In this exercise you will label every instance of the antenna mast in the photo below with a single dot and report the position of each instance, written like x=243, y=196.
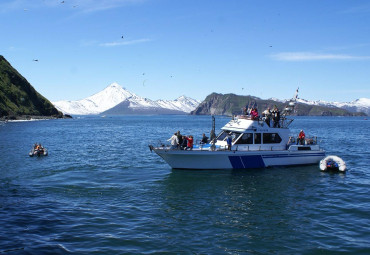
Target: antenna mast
x=289, y=109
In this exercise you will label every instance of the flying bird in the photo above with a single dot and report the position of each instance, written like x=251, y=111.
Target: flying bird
x=36, y=60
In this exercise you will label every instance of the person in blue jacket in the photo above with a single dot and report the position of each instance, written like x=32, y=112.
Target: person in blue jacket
x=229, y=140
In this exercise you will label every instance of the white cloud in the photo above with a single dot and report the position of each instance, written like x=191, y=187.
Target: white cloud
x=78, y=5
x=310, y=56
x=101, y=5
x=123, y=42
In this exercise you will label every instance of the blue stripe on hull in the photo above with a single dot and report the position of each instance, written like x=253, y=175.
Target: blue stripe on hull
x=256, y=161
x=253, y=161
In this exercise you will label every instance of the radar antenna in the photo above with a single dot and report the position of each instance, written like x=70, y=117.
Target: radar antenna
x=289, y=109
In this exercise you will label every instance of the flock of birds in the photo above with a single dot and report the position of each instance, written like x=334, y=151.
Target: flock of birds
x=122, y=37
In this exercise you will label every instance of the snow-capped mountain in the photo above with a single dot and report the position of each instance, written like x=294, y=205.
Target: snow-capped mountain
x=183, y=103
x=358, y=105
x=114, y=95
x=97, y=103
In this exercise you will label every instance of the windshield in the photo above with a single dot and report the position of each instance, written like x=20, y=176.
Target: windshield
x=222, y=136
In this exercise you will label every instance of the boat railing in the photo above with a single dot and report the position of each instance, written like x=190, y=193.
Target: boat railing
x=311, y=140
x=284, y=122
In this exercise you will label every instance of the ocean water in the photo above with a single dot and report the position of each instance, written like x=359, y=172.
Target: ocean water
x=101, y=191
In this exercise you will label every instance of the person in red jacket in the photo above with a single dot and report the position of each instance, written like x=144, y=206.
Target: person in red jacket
x=190, y=142
x=254, y=114
x=301, y=138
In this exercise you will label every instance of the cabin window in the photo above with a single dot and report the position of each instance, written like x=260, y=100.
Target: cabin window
x=245, y=139
x=271, y=138
x=235, y=136
x=257, y=138
x=222, y=136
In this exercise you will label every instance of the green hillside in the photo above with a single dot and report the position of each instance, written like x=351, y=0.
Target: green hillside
x=19, y=98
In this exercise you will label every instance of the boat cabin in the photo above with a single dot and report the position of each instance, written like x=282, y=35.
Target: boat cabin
x=250, y=135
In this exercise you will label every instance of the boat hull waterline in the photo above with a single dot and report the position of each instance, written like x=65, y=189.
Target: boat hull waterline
x=181, y=159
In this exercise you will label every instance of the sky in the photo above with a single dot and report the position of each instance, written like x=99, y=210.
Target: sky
x=163, y=49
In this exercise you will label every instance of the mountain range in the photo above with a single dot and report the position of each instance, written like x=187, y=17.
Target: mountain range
x=115, y=99
x=358, y=105
x=231, y=104
x=18, y=99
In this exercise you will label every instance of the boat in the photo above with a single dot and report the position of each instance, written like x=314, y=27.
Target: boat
x=254, y=144
x=38, y=150
x=333, y=163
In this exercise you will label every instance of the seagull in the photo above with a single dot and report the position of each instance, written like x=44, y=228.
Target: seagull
x=36, y=60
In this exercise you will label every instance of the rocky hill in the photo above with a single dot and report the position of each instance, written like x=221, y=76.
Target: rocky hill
x=231, y=104
x=18, y=99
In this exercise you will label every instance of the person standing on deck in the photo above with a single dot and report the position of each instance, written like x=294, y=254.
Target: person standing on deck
x=301, y=138
x=204, y=139
x=179, y=137
x=190, y=142
x=267, y=114
x=276, y=117
x=174, y=141
x=229, y=140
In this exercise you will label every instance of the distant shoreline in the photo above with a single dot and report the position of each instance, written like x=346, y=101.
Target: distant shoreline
x=33, y=117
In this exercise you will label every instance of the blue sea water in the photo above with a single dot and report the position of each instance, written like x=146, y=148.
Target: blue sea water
x=101, y=191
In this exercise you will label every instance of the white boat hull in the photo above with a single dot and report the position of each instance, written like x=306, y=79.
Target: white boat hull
x=202, y=159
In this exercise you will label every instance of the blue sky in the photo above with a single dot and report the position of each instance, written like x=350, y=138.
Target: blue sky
x=176, y=47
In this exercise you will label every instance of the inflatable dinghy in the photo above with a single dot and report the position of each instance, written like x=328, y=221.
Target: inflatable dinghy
x=38, y=150
x=334, y=163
